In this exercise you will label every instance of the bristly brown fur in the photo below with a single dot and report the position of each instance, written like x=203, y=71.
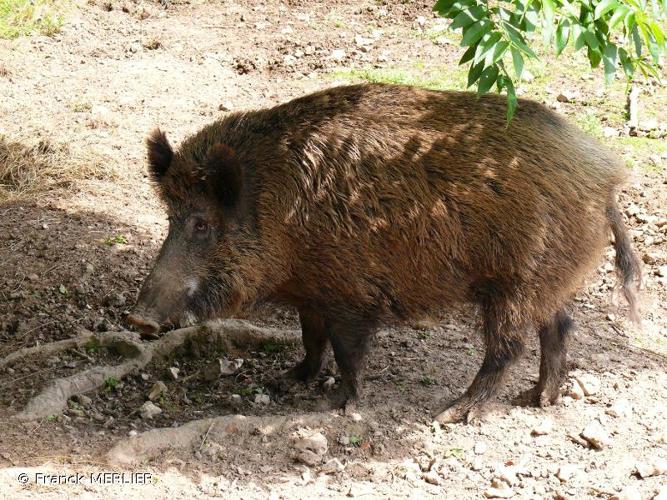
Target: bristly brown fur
x=371, y=202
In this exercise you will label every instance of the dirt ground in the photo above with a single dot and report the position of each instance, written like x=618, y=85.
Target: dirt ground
x=73, y=258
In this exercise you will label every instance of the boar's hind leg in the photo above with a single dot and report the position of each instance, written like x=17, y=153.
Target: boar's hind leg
x=553, y=344
x=504, y=344
x=315, y=341
x=350, y=340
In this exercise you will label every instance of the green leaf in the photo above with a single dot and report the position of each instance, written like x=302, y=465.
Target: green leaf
x=486, y=45
x=609, y=58
x=467, y=17
x=474, y=72
x=443, y=6
x=605, y=6
x=474, y=32
x=591, y=39
x=626, y=62
x=579, y=37
x=618, y=16
x=548, y=7
x=594, y=56
x=517, y=39
x=562, y=35
x=487, y=79
x=468, y=54
x=62, y=289
x=517, y=60
x=629, y=21
x=498, y=52
x=637, y=40
x=658, y=33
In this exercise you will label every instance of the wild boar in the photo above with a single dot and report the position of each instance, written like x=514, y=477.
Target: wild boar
x=369, y=204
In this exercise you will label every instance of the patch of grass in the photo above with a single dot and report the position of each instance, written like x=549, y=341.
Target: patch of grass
x=51, y=418
x=454, y=452
x=436, y=78
x=590, y=123
x=273, y=347
x=37, y=165
x=355, y=440
x=23, y=17
x=81, y=107
x=119, y=239
x=427, y=381
x=111, y=383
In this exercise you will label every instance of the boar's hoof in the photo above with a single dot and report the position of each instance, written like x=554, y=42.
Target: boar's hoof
x=461, y=410
x=546, y=398
x=148, y=329
x=299, y=373
x=341, y=398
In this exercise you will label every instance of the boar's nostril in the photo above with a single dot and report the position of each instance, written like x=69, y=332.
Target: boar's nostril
x=147, y=327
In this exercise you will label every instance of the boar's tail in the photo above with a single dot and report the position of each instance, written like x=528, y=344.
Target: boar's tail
x=628, y=266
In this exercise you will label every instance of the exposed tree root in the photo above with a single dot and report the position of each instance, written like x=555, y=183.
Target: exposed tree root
x=53, y=398
x=230, y=429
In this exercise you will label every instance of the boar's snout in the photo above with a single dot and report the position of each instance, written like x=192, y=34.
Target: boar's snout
x=144, y=324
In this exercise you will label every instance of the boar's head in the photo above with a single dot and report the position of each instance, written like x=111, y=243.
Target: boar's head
x=208, y=265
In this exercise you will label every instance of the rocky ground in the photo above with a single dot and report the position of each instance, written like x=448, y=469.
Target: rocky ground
x=73, y=258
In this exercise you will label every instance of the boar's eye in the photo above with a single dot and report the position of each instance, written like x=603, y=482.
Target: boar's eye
x=201, y=226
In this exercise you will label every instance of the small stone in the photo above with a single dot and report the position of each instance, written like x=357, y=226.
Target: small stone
x=226, y=106
x=173, y=372
x=610, y=132
x=576, y=391
x=590, y=384
x=629, y=493
x=328, y=384
x=308, y=457
x=543, y=428
x=236, y=398
x=262, y=399
x=337, y=54
x=620, y=408
x=133, y=433
x=213, y=450
x=344, y=440
x=527, y=76
x=33, y=277
x=499, y=489
x=332, y=466
x=222, y=367
x=611, y=317
x=90, y=268
x=632, y=210
x=657, y=468
x=289, y=60
x=135, y=47
x=566, y=472
x=480, y=448
x=306, y=439
x=145, y=376
x=432, y=477
x=662, y=271
x=596, y=435
x=83, y=400
x=158, y=389
x=362, y=41
x=149, y=410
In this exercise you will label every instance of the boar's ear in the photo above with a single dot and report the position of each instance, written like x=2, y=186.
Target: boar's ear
x=160, y=154
x=224, y=174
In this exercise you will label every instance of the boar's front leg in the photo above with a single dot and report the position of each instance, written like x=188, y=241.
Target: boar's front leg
x=350, y=337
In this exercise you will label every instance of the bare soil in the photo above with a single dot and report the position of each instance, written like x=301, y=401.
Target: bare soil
x=73, y=258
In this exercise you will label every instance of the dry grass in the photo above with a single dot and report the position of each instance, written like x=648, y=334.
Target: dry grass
x=39, y=165
x=23, y=17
